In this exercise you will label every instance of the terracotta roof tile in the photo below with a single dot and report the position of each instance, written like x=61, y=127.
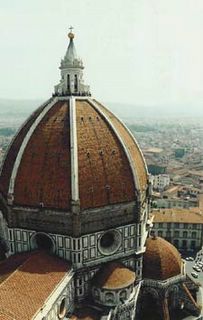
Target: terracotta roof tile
x=25, y=290
x=44, y=175
x=114, y=276
x=13, y=151
x=132, y=147
x=7, y=316
x=161, y=259
x=193, y=215
x=105, y=176
x=9, y=265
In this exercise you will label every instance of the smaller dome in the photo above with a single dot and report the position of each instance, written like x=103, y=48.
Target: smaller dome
x=161, y=260
x=114, y=276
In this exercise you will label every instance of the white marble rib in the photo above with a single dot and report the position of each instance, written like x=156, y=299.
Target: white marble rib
x=96, y=106
x=74, y=151
x=24, y=144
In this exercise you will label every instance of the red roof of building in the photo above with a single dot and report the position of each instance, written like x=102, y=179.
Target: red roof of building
x=13, y=151
x=110, y=164
x=44, y=174
x=114, y=275
x=6, y=316
x=176, y=215
x=161, y=260
x=27, y=280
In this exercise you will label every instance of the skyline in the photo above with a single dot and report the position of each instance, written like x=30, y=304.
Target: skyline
x=143, y=53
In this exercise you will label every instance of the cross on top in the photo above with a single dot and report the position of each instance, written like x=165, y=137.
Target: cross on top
x=71, y=29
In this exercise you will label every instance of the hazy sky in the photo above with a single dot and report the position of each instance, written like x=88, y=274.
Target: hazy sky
x=147, y=52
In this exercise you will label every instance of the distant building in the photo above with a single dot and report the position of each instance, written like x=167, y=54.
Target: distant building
x=176, y=203
x=160, y=182
x=181, y=227
x=156, y=169
x=179, y=152
x=188, y=191
x=177, y=196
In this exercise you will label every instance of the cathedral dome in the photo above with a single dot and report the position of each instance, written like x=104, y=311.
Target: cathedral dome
x=161, y=260
x=114, y=276
x=71, y=157
x=73, y=148
x=113, y=284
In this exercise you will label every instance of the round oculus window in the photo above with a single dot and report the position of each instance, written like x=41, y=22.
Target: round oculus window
x=109, y=242
x=62, y=309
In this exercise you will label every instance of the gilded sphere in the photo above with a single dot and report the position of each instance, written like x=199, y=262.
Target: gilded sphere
x=71, y=35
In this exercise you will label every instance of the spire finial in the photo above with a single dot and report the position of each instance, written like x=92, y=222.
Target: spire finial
x=71, y=82
x=71, y=34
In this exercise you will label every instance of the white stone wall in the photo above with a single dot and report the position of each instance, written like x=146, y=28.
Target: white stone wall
x=112, y=297
x=3, y=227
x=161, y=181
x=84, y=250
x=83, y=277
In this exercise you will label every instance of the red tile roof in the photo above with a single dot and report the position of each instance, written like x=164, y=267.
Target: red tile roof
x=44, y=174
x=193, y=215
x=161, y=260
x=105, y=171
x=132, y=147
x=9, y=265
x=105, y=176
x=114, y=276
x=25, y=289
x=13, y=152
x=7, y=316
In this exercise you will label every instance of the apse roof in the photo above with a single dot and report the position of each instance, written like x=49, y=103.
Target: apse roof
x=161, y=260
x=114, y=275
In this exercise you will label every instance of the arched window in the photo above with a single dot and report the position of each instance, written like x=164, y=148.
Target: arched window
x=96, y=293
x=184, y=234
x=43, y=241
x=194, y=234
x=123, y=295
x=109, y=297
x=193, y=244
x=184, y=244
x=76, y=83
x=68, y=82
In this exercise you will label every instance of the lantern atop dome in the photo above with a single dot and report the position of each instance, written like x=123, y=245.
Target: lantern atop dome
x=71, y=67
x=71, y=34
